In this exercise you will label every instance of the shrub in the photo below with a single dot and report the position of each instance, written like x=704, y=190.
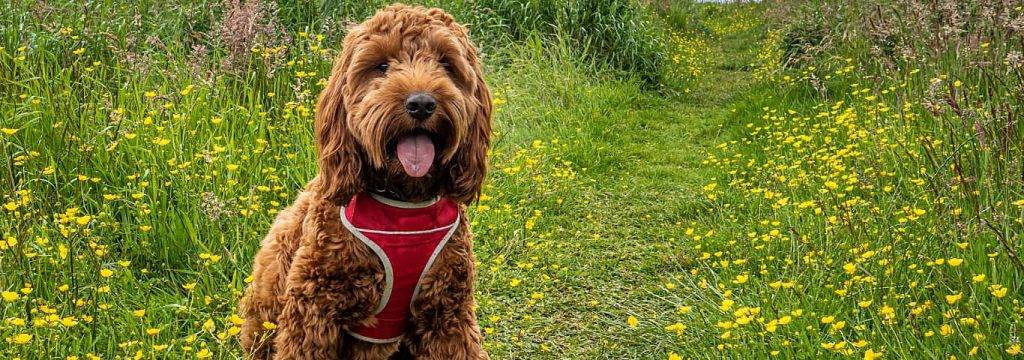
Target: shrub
x=614, y=32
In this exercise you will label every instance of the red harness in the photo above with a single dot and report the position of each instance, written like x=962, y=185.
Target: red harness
x=407, y=237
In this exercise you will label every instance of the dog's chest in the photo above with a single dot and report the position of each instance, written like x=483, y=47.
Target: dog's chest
x=406, y=237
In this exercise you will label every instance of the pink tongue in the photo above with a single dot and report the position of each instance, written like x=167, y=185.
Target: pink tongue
x=416, y=153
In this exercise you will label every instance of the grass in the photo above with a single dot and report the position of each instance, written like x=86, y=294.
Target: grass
x=733, y=213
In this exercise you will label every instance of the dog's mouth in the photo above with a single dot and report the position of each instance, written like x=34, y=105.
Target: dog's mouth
x=417, y=150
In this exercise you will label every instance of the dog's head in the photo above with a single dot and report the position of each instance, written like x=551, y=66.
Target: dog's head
x=406, y=110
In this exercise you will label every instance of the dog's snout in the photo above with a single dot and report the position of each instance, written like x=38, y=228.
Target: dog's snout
x=420, y=105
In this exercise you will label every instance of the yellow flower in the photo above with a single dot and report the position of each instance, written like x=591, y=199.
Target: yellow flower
x=954, y=262
x=952, y=299
x=872, y=355
x=632, y=321
x=79, y=51
x=139, y=313
x=106, y=273
x=10, y=296
x=674, y=356
x=204, y=353
x=209, y=325
x=678, y=328
x=888, y=311
x=740, y=279
x=1014, y=349
x=9, y=131
x=997, y=290
x=269, y=325
x=23, y=338
x=727, y=304
x=235, y=319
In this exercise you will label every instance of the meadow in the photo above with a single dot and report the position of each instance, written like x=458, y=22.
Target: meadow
x=669, y=180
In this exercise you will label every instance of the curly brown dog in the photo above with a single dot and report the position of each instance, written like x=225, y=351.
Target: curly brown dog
x=374, y=259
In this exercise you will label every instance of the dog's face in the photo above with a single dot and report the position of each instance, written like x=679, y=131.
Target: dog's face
x=406, y=110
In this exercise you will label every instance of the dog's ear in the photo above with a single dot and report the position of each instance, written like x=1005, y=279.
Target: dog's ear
x=338, y=151
x=470, y=165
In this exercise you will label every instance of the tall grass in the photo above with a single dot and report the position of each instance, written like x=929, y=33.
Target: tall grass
x=958, y=67
x=872, y=193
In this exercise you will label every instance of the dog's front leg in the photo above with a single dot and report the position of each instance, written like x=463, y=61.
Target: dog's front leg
x=327, y=290
x=443, y=318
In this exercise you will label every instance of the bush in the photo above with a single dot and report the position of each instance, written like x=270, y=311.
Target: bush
x=616, y=33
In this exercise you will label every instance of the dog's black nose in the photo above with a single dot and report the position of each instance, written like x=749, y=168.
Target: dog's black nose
x=420, y=105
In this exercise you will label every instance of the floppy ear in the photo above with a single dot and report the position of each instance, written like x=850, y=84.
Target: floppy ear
x=338, y=153
x=470, y=165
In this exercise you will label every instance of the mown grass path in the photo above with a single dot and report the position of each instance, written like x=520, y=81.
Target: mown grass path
x=648, y=207
x=620, y=235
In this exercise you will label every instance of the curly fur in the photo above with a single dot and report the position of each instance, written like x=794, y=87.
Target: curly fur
x=312, y=278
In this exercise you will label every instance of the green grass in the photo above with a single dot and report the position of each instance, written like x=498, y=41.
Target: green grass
x=618, y=222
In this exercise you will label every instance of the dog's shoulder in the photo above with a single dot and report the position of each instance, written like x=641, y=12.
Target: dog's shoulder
x=318, y=211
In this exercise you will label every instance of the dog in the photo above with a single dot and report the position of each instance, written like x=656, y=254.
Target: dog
x=374, y=258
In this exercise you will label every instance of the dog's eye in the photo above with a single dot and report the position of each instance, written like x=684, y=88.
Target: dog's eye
x=445, y=64
x=382, y=67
